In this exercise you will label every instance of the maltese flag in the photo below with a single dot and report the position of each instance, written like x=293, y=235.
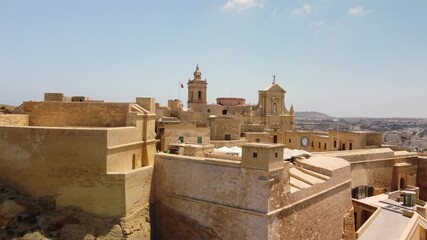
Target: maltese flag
x=181, y=85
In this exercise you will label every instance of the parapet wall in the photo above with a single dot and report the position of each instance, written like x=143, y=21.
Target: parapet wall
x=374, y=167
x=82, y=114
x=14, y=120
x=318, y=211
x=214, y=181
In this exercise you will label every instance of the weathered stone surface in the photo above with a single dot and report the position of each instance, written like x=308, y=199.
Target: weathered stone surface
x=28, y=220
x=9, y=209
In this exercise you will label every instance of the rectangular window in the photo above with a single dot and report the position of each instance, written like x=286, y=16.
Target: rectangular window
x=335, y=143
x=227, y=137
x=199, y=140
x=275, y=139
x=319, y=145
x=312, y=144
x=181, y=139
x=350, y=146
x=276, y=154
x=290, y=140
x=255, y=154
x=325, y=146
x=257, y=140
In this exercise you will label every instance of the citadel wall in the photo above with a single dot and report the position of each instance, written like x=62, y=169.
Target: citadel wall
x=14, y=119
x=376, y=167
x=225, y=199
x=71, y=165
x=88, y=114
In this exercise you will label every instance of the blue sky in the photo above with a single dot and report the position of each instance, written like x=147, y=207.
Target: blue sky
x=343, y=58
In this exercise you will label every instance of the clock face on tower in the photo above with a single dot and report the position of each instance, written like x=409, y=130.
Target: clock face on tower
x=304, y=141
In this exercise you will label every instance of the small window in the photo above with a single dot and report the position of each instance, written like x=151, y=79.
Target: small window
x=350, y=146
x=224, y=112
x=181, y=139
x=209, y=110
x=199, y=140
x=325, y=146
x=312, y=144
x=335, y=143
x=290, y=140
x=275, y=139
x=254, y=154
x=257, y=140
x=227, y=137
x=276, y=154
x=133, y=161
x=319, y=145
x=200, y=95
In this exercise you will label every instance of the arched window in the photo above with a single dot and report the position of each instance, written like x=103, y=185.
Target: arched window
x=200, y=95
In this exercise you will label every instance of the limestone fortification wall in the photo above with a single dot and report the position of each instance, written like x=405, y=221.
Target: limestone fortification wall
x=321, y=216
x=14, y=120
x=317, y=212
x=374, y=167
x=69, y=164
x=207, y=199
x=196, y=198
x=378, y=173
x=88, y=114
x=224, y=184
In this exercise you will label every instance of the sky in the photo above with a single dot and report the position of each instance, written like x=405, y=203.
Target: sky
x=353, y=58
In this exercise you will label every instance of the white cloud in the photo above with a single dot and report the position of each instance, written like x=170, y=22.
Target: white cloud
x=304, y=10
x=319, y=23
x=241, y=5
x=274, y=12
x=359, y=11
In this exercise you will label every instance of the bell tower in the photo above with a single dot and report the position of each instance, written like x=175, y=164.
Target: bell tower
x=197, y=91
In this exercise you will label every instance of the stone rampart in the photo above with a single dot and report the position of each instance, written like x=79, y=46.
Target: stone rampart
x=70, y=164
x=87, y=114
x=14, y=120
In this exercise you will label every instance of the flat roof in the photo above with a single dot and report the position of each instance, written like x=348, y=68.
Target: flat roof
x=387, y=225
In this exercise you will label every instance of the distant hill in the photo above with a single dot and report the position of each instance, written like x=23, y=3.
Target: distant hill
x=311, y=115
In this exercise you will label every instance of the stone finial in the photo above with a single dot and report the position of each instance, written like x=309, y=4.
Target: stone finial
x=292, y=108
x=274, y=79
x=197, y=73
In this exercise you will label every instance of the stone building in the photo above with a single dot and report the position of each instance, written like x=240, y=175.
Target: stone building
x=332, y=140
x=231, y=118
x=269, y=121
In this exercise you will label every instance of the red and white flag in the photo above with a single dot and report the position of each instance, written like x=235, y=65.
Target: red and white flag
x=181, y=85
